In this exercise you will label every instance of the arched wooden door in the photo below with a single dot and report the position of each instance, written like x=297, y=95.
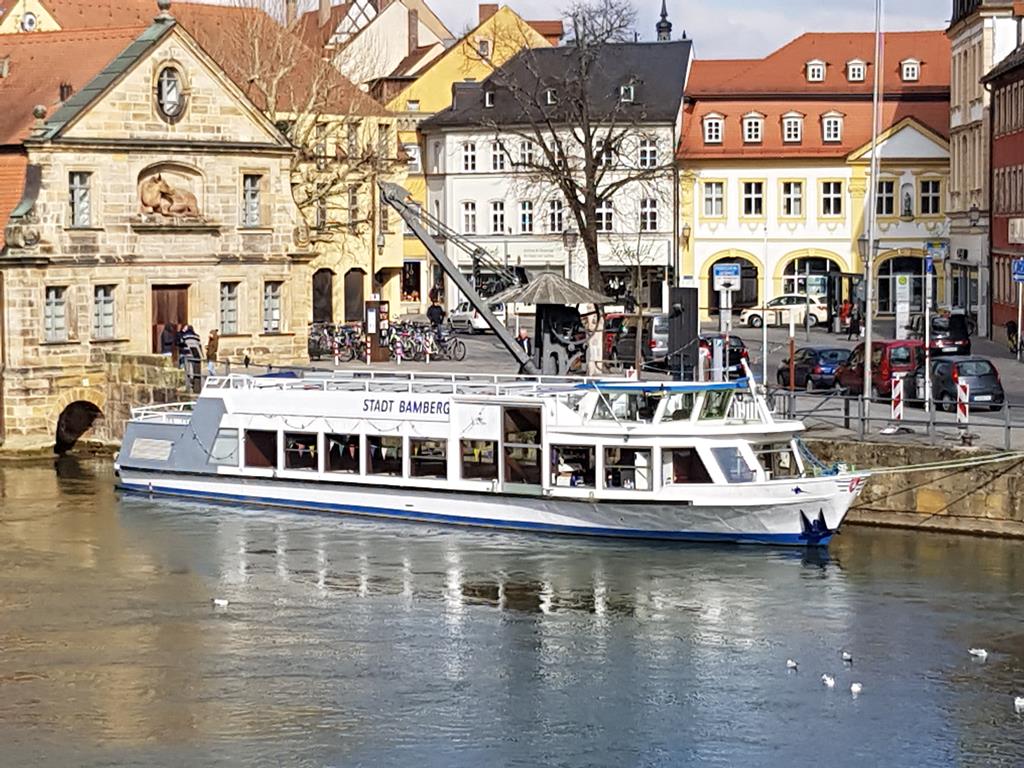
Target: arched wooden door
x=323, y=296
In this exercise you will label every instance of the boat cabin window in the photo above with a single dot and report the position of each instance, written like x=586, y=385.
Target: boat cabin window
x=626, y=406
x=384, y=455
x=683, y=465
x=627, y=468
x=261, y=448
x=679, y=406
x=734, y=466
x=342, y=453
x=479, y=459
x=522, y=445
x=573, y=466
x=300, y=451
x=778, y=460
x=428, y=457
x=716, y=404
x=225, y=448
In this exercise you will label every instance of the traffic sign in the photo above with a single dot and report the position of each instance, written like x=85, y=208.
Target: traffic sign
x=1018, y=270
x=726, y=277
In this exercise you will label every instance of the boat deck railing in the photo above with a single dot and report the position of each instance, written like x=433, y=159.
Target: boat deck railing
x=164, y=413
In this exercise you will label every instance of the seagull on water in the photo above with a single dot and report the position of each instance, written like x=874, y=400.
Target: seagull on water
x=847, y=656
x=979, y=653
x=1018, y=705
x=219, y=602
x=790, y=664
x=856, y=688
x=828, y=681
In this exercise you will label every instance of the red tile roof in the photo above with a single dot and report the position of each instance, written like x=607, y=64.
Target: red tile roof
x=312, y=33
x=12, y=181
x=552, y=31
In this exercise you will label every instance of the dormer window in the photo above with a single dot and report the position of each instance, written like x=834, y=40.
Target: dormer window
x=792, y=128
x=713, y=127
x=832, y=127
x=488, y=99
x=910, y=70
x=753, y=128
x=816, y=71
x=855, y=71
x=626, y=93
x=550, y=97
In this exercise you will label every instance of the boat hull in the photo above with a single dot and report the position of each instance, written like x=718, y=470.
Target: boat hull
x=809, y=521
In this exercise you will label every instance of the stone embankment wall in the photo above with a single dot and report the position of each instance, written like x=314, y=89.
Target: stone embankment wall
x=984, y=499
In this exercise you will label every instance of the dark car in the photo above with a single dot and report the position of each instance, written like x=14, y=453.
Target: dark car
x=985, y=390
x=949, y=334
x=612, y=325
x=813, y=367
x=655, y=340
x=888, y=358
x=737, y=351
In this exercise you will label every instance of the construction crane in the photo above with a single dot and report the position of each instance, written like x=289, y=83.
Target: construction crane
x=422, y=224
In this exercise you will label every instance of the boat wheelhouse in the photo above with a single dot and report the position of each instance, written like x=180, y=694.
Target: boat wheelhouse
x=696, y=461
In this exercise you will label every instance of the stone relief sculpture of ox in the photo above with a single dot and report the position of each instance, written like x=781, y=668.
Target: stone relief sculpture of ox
x=157, y=196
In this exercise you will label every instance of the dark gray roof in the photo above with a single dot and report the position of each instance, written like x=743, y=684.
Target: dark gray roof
x=1014, y=61
x=656, y=70
x=70, y=109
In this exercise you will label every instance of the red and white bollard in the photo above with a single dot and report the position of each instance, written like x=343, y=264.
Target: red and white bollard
x=963, y=403
x=897, y=398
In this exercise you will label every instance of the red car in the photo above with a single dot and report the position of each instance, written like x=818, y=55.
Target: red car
x=612, y=326
x=887, y=358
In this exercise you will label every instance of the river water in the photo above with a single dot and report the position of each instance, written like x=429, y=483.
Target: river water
x=356, y=643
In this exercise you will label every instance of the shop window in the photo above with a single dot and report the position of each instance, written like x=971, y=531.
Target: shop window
x=261, y=448
x=683, y=465
x=411, y=280
x=716, y=404
x=300, y=451
x=342, y=453
x=522, y=445
x=428, y=458
x=573, y=466
x=733, y=465
x=479, y=459
x=627, y=468
x=384, y=455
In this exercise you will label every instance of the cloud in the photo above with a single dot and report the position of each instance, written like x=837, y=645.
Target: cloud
x=734, y=28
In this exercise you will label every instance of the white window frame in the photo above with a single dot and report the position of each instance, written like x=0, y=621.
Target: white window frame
x=714, y=194
x=910, y=70
x=273, y=306
x=80, y=198
x=469, y=217
x=935, y=197
x=526, y=218
x=604, y=216
x=832, y=129
x=556, y=216
x=627, y=94
x=488, y=99
x=714, y=129
x=856, y=71
x=497, y=217
x=816, y=71
x=468, y=156
x=228, y=310
x=103, y=311
x=55, y=313
x=483, y=47
x=749, y=195
x=252, y=200
x=412, y=151
x=883, y=197
x=550, y=97
x=832, y=199
x=792, y=129
x=753, y=129
x=497, y=156
x=792, y=199
x=649, y=215
x=527, y=150
x=648, y=153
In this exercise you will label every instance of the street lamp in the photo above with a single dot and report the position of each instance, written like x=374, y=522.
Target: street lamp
x=686, y=232
x=569, y=239
x=974, y=215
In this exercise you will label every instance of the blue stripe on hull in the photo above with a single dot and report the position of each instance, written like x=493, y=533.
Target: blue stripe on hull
x=779, y=539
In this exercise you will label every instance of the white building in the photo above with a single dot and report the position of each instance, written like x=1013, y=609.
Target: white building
x=982, y=33
x=484, y=177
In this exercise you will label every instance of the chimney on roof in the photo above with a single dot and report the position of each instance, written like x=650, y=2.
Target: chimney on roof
x=487, y=10
x=324, y=13
x=414, y=29
x=66, y=91
x=5, y=66
x=291, y=12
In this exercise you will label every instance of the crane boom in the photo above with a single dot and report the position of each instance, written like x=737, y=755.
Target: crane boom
x=398, y=198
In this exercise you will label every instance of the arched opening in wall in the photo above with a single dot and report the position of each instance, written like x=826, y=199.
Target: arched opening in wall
x=746, y=296
x=323, y=296
x=889, y=270
x=815, y=276
x=73, y=422
x=355, y=280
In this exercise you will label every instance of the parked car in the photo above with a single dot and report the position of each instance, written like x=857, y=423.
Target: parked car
x=813, y=367
x=949, y=334
x=467, y=320
x=985, y=390
x=612, y=325
x=737, y=351
x=888, y=358
x=654, y=340
x=790, y=305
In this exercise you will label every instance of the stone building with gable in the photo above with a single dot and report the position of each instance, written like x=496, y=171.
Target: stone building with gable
x=151, y=190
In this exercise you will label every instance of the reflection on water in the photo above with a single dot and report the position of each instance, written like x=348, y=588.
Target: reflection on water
x=349, y=642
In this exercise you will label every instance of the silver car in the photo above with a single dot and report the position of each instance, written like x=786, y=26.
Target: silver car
x=655, y=340
x=465, y=319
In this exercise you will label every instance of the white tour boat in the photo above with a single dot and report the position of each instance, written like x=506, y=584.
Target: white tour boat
x=612, y=457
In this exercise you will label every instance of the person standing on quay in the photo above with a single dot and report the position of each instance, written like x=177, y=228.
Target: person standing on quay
x=212, y=345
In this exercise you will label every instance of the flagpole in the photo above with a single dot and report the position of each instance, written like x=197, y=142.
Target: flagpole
x=869, y=257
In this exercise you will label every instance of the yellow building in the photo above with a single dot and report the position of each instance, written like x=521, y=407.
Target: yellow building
x=499, y=35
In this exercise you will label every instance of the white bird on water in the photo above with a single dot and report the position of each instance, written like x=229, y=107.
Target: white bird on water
x=791, y=664
x=219, y=602
x=1018, y=705
x=828, y=681
x=847, y=657
x=856, y=688
x=979, y=653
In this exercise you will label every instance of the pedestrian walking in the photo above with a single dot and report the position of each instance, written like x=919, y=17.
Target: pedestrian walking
x=854, y=329
x=190, y=353
x=523, y=340
x=212, y=347
x=844, y=313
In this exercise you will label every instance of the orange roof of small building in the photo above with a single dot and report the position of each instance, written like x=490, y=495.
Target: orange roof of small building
x=12, y=180
x=552, y=31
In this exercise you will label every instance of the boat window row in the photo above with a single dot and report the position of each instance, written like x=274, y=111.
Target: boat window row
x=678, y=406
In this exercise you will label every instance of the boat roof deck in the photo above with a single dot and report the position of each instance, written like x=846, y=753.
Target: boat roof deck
x=507, y=385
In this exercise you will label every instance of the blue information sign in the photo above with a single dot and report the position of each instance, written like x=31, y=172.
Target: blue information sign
x=726, y=277
x=1018, y=270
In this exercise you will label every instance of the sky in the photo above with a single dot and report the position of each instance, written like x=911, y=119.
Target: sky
x=735, y=28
